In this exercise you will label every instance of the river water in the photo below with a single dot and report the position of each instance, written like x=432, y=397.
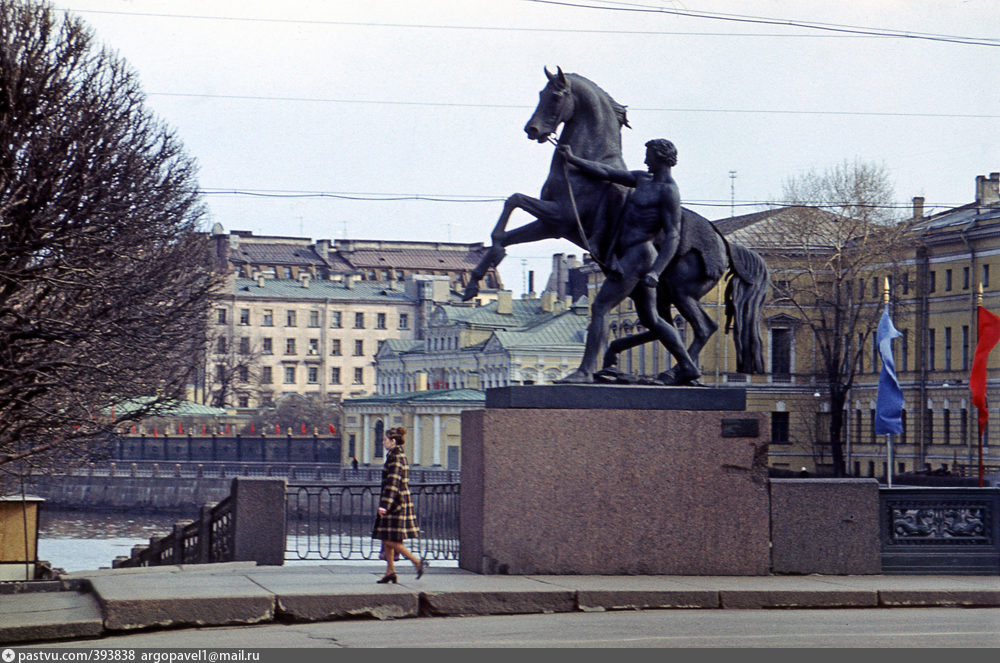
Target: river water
x=86, y=540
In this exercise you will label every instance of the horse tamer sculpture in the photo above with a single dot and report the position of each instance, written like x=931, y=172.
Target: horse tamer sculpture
x=586, y=200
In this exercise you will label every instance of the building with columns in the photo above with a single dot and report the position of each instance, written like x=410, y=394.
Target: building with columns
x=433, y=419
x=426, y=383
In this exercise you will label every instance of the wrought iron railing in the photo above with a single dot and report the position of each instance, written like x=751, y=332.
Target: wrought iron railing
x=207, y=539
x=940, y=530
x=335, y=522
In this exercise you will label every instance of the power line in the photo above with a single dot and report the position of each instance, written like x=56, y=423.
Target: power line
x=651, y=109
x=838, y=31
x=760, y=20
x=486, y=28
x=467, y=198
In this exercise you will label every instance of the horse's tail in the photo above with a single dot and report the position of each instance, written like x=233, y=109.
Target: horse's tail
x=745, y=293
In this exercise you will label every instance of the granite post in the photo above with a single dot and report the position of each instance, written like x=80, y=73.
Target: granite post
x=607, y=479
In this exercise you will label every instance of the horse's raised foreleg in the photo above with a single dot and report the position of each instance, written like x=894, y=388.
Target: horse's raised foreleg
x=545, y=211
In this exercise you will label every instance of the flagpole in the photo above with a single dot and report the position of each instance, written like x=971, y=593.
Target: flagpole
x=888, y=436
x=979, y=427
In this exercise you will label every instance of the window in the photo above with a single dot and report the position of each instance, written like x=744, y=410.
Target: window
x=359, y=348
x=904, y=354
x=946, y=430
x=314, y=318
x=220, y=345
x=268, y=318
x=220, y=373
x=266, y=377
x=779, y=428
x=861, y=355
x=931, y=281
x=335, y=347
x=313, y=375
x=288, y=273
x=875, y=356
x=986, y=276
x=965, y=278
x=781, y=354
x=244, y=316
x=965, y=347
x=290, y=319
x=947, y=280
x=359, y=320
x=221, y=316
x=928, y=426
x=244, y=345
x=243, y=401
x=947, y=348
x=289, y=346
x=335, y=319
x=929, y=361
x=906, y=283
x=335, y=375
x=380, y=321
x=314, y=346
x=243, y=372
x=267, y=345
x=404, y=320
x=359, y=376
x=289, y=375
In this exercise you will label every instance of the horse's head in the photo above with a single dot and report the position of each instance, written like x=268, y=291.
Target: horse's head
x=555, y=105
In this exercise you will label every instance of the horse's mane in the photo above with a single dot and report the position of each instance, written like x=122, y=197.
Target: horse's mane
x=619, y=109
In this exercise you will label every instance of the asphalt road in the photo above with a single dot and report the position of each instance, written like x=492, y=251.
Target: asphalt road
x=896, y=627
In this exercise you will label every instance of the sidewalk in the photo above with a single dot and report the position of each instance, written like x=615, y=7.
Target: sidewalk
x=92, y=604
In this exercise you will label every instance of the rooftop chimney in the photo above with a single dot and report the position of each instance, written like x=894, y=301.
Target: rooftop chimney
x=505, y=302
x=987, y=189
x=918, y=207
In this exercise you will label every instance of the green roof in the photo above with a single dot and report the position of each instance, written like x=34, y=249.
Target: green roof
x=169, y=409
x=426, y=396
x=319, y=289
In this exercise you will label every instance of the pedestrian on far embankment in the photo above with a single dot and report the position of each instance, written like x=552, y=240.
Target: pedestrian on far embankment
x=396, y=520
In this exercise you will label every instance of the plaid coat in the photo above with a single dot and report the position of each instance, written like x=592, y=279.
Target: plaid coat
x=401, y=520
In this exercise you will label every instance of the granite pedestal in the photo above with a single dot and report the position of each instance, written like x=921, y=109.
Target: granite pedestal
x=670, y=480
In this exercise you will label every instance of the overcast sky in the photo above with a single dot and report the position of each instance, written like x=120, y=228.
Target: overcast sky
x=307, y=116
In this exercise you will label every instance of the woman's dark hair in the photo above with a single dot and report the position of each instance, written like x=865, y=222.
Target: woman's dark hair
x=397, y=434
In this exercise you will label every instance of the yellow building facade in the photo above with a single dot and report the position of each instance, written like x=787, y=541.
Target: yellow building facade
x=933, y=303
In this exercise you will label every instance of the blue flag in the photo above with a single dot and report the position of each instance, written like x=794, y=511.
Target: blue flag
x=889, y=402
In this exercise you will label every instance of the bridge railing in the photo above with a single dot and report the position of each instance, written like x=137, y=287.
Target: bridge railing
x=326, y=522
x=298, y=472
x=955, y=531
x=248, y=525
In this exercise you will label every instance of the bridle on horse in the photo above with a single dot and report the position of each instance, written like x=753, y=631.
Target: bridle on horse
x=572, y=203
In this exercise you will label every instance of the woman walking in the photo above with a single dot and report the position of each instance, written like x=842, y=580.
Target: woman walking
x=396, y=518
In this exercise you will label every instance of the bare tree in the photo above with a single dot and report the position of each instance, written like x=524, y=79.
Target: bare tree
x=829, y=254
x=105, y=278
x=233, y=369
x=290, y=412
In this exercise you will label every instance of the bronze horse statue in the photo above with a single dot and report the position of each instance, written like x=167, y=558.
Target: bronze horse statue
x=577, y=208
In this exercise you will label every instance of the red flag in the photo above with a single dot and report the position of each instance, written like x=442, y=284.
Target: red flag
x=251, y=429
x=203, y=429
x=180, y=429
x=277, y=429
x=989, y=334
x=227, y=429
x=156, y=433
x=333, y=431
x=303, y=429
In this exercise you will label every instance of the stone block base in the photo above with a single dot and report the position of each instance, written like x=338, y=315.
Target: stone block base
x=577, y=491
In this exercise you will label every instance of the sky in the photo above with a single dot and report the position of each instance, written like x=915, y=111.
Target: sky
x=403, y=119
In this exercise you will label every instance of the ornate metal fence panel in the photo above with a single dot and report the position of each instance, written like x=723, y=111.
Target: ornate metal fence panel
x=335, y=522
x=940, y=530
